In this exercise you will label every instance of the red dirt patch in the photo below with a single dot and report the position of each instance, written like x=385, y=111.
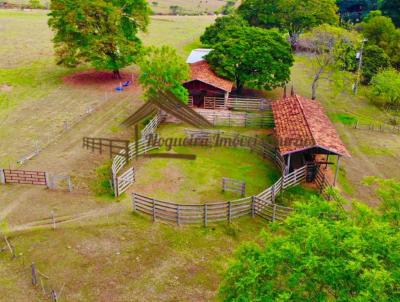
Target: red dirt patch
x=102, y=79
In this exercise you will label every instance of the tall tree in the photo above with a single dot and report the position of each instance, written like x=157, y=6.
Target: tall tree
x=334, y=49
x=374, y=60
x=320, y=254
x=223, y=28
x=162, y=69
x=391, y=8
x=255, y=57
x=99, y=32
x=293, y=16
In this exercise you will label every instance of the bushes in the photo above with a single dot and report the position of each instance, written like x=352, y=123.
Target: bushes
x=374, y=59
x=386, y=85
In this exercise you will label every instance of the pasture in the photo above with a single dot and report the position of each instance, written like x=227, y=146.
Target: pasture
x=99, y=250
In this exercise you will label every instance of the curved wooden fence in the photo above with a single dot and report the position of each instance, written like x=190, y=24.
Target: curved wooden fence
x=262, y=205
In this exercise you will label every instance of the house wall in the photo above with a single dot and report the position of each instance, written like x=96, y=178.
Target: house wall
x=199, y=90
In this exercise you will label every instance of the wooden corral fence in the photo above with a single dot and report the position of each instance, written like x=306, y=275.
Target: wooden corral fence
x=260, y=205
x=152, y=126
x=112, y=146
x=235, y=103
x=378, y=127
x=323, y=183
x=134, y=149
x=234, y=185
x=238, y=119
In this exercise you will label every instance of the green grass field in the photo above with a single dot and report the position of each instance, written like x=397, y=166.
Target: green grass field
x=100, y=251
x=199, y=180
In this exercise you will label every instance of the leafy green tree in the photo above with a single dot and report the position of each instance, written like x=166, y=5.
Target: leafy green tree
x=35, y=4
x=223, y=28
x=374, y=60
x=254, y=57
x=379, y=31
x=333, y=48
x=100, y=32
x=388, y=191
x=319, y=254
x=386, y=84
x=292, y=16
x=162, y=69
x=391, y=8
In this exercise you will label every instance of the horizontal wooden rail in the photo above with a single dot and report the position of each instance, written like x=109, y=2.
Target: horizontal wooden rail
x=262, y=205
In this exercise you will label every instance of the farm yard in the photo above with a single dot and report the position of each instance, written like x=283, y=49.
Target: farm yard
x=88, y=244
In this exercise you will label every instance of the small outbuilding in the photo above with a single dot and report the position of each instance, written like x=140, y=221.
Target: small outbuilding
x=304, y=131
x=206, y=89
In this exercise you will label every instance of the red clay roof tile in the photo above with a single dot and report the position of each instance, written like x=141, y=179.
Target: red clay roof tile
x=301, y=124
x=201, y=71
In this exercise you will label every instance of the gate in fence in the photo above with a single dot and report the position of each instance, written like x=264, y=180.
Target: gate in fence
x=234, y=185
x=124, y=181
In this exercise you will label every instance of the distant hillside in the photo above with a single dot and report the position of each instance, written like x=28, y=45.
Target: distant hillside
x=162, y=6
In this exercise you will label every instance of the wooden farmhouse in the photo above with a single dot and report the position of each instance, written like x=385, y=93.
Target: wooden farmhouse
x=206, y=89
x=305, y=134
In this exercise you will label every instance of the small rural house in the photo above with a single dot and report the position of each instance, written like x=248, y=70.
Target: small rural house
x=305, y=134
x=206, y=89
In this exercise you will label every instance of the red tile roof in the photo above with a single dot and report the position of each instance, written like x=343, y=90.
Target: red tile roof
x=201, y=71
x=302, y=124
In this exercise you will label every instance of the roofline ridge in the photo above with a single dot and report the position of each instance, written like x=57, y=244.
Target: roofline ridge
x=305, y=118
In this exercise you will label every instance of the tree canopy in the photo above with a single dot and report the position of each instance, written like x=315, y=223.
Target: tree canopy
x=292, y=16
x=386, y=84
x=374, y=60
x=322, y=253
x=222, y=28
x=334, y=49
x=163, y=70
x=102, y=33
x=254, y=57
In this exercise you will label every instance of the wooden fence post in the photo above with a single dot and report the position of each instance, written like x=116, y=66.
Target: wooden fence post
x=274, y=213
x=48, y=180
x=229, y=211
x=273, y=193
x=70, y=188
x=34, y=274
x=154, y=210
x=223, y=184
x=178, y=215
x=205, y=215
x=253, y=207
x=53, y=220
x=134, y=201
x=2, y=177
x=243, y=189
x=54, y=295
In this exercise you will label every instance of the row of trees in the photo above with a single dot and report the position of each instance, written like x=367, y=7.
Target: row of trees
x=323, y=253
